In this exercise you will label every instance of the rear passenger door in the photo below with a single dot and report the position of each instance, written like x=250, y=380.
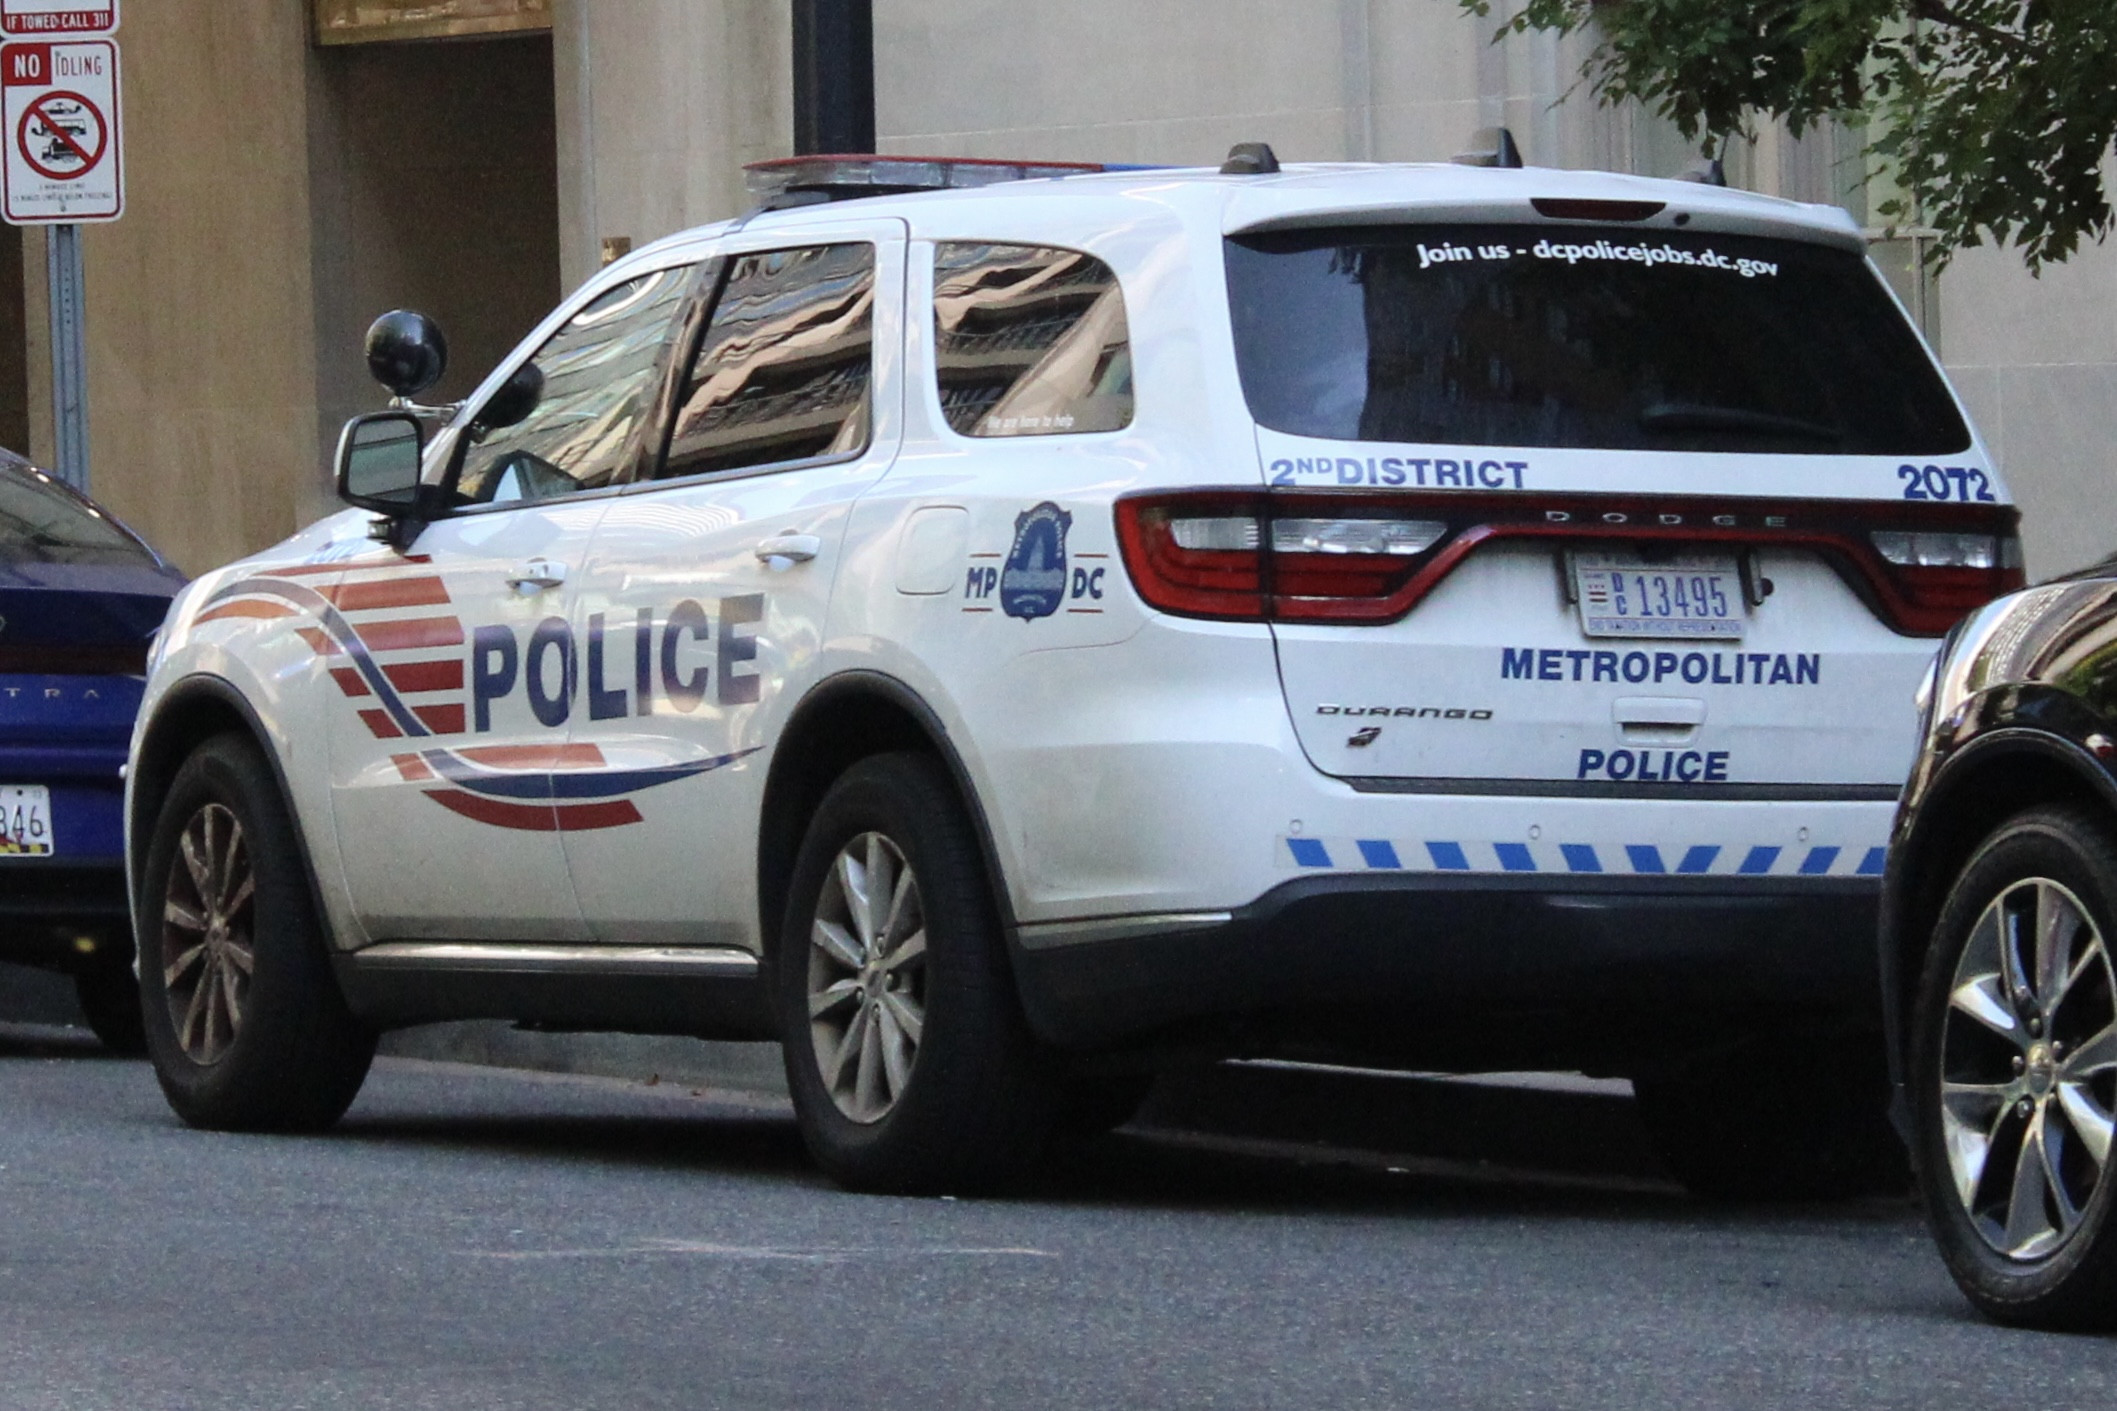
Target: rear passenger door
x=703, y=609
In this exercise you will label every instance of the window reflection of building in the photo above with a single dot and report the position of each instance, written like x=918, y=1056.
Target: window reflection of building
x=782, y=373
x=598, y=385
x=1030, y=341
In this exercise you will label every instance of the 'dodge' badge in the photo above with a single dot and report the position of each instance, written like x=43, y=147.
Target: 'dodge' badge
x=1033, y=581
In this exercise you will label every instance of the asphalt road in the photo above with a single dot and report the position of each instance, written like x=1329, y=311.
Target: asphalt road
x=475, y=1238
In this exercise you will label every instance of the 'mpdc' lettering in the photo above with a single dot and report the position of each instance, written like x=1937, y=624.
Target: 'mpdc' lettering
x=551, y=668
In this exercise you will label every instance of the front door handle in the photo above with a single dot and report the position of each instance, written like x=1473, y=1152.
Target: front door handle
x=536, y=576
x=794, y=548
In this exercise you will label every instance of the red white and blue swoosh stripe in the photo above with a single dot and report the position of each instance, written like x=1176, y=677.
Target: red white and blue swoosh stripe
x=395, y=650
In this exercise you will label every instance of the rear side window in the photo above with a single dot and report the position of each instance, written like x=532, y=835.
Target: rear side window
x=42, y=523
x=783, y=371
x=1621, y=339
x=1030, y=341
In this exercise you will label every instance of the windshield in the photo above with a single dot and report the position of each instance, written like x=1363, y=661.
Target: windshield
x=42, y=523
x=1614, y=338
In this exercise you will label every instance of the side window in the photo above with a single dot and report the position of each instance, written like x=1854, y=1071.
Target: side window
x=1029, y=341
x=783, y=369
x=599, y=385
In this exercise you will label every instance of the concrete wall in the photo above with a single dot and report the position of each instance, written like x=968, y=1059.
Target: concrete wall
x=2036, y=359
x=200, y=356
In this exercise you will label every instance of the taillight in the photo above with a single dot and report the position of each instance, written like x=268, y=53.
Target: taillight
x=1358, y=557
x=1251, y=557
x=1941, y=576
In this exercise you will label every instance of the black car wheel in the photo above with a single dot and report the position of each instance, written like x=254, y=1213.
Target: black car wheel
x=245, y=1022
x=2013, y=1073
x=109, y=995
x=911, y=1067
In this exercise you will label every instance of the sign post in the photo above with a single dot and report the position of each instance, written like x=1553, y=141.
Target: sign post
x=62, y=131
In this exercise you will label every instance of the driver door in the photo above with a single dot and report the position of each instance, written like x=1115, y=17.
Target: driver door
x=448, y=756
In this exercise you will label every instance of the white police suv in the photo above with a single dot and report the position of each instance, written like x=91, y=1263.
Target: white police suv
x=1000, y=640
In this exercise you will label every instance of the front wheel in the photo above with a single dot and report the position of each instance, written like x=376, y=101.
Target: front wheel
x=911, y=1067
x=245, y=1022
x=2013, y=1073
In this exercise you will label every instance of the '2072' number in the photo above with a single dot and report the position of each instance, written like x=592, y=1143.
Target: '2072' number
x=1944, y=482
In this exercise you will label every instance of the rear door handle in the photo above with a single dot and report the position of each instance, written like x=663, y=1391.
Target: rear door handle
x=536, y=576
x=794, y=548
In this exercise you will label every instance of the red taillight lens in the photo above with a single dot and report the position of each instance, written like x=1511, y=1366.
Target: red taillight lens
x=1197, y=555
x=1941, y=576
x=1357, y=557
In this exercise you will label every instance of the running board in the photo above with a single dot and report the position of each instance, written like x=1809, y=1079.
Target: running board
x=715, y=992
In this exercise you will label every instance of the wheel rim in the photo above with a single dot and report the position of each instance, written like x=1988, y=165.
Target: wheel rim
x=2029, y=1069
x=867, y=977
x=208, y=950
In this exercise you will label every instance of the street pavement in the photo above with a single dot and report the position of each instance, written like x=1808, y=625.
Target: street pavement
x=475, y=1238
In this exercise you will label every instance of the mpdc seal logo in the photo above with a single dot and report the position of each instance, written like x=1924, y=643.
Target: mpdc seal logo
x=1033, y=582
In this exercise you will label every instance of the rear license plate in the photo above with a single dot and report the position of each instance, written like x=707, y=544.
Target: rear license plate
x=25, y=821
x=1692, y=595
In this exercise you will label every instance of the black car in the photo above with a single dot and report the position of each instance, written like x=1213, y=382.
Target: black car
x=81, y=597
x=1999, y=914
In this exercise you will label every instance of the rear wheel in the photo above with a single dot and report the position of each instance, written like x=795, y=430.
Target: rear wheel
x=2013, y=1074
x=109, y=995
x=244, y=1020
x=911, y=1067
x=1790, y=1117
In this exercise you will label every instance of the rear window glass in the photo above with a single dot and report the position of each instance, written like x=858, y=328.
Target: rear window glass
x=42, y=523
x=1030, y=340
x=1499, y=335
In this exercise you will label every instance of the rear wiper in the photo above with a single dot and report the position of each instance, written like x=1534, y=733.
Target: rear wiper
x=1694, y=416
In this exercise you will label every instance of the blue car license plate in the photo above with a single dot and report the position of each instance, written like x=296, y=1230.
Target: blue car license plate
x=25, y=821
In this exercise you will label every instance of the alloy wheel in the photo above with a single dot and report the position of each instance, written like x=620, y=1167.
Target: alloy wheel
x=208, y=951
x=2028, y=1080
x=867, y=977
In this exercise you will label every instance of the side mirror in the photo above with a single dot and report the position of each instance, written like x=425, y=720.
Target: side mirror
x=406, y=352
x=378, y=462
x=517, y=398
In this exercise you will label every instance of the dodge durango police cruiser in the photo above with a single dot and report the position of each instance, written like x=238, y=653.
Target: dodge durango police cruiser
x=1003, y=639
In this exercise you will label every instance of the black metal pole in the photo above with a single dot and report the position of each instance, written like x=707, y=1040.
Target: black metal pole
x=834, y=76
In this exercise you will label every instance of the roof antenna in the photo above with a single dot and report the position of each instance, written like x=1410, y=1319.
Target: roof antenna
x=1490, y=147
x=1707, y=171
x=1250, y=159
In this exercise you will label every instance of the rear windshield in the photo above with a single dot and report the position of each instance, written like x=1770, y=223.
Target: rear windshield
x=41, y=523
x=1510, y=335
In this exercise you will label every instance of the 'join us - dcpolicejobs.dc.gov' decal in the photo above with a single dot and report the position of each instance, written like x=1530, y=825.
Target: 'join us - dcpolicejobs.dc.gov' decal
x=405, y=663
x=1035, y=577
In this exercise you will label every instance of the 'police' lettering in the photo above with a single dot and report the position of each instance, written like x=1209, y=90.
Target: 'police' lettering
x=1655, y=766
x=686, y=693
x=551, y=708
x=734, y=613
x=494, y=659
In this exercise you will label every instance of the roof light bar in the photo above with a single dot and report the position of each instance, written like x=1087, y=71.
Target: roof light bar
x=801, y=181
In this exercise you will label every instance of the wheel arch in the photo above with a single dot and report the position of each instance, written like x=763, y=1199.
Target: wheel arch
x=190, y=713
x=839, y=722
x=1987, y=782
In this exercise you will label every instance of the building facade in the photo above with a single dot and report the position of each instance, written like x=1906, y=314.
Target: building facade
x=297, y=166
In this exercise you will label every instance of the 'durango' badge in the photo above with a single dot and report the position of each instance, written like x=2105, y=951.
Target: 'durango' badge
x=1033, y=581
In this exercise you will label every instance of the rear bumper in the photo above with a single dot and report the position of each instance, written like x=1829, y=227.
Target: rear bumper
x=1470, y=971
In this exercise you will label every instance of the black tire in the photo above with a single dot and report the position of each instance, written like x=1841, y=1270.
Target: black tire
x=2071, y=1284
x=979, y=1096
x=294, y=1056
x=1787, y=1117
x=109, y=996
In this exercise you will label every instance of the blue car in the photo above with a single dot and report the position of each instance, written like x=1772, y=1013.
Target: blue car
x=81, y=597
